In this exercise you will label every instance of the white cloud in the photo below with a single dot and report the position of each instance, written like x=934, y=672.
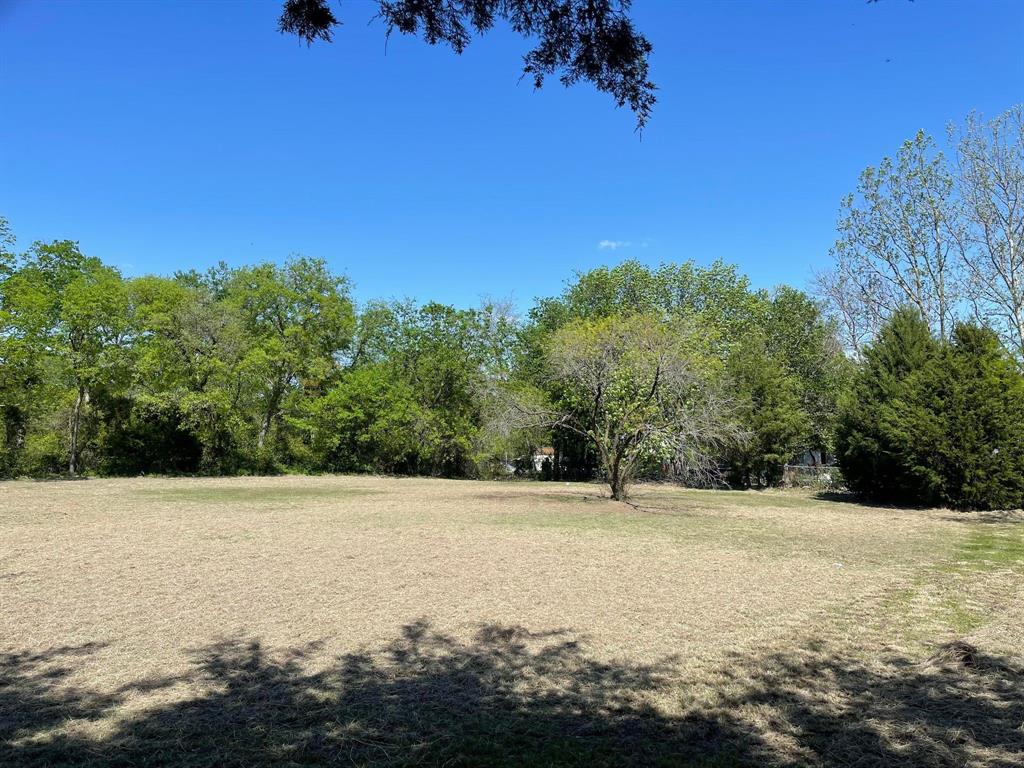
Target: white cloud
x=613, y=245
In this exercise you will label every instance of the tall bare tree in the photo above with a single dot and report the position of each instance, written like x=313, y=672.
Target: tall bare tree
x=898, y=244
x=990, y=161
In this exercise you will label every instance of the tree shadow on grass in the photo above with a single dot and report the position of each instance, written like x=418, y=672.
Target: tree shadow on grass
x=990, y=516
x=814, y=707
x=849, y=497
x=514, y=698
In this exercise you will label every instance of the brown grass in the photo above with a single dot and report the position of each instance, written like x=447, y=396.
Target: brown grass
x=364, y=621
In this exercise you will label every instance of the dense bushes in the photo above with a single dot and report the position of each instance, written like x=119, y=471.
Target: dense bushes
x=933, y=422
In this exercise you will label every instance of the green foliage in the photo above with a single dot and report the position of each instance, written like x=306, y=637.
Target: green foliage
x=412, y=398
x=59, y=313
x=868, y=454
x=984, y=407
x=931, y=422
x=720, y=304
x=574, y=39
x=639, y=390
x=270, y=368
x=716, y=298
x=368, y=422
x=296, y=319
x=768, y=408
x=799, y=339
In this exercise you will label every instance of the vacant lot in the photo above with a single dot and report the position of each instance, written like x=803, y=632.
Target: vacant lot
x=361, y=621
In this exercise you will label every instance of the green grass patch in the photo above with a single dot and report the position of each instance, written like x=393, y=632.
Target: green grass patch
x=244, y=495
x=991, y=546
x=606, y=522
x=954, y=612
x=691, y=499
x=963, y=590
x=679, y=526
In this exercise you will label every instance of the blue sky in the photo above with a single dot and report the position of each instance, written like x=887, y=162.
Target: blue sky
x=167, y=135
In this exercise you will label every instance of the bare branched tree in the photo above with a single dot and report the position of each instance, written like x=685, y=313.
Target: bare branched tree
x=898, y=245
x=990, y=161
x=858, y=318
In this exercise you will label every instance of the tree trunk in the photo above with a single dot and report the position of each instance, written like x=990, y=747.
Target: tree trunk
x=268, y=418
x=615, y=480
x=76, y=420
x=14, y=428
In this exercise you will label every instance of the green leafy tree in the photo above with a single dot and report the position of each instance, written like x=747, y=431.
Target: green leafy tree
x=369, y=421
x=799, y=338
x=299, y=320
x=94, y=331
x=767, y=407
x=641, y=391
x=12, y=362
x=715, y=298
x=984, y=422
x=412, y=396
x=869, y=453
x=956, y=425
x=62, y=313
x=191, y=344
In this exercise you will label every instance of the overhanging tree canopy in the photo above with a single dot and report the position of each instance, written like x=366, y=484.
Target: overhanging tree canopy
x=592, y=40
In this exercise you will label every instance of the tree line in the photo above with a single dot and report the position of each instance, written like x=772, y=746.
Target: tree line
x=273, y=368
x=906, y=368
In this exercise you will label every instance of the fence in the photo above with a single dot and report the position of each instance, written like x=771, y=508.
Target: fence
x=804, y=476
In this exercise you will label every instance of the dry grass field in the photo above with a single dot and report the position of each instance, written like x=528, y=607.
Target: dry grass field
x=363, y=621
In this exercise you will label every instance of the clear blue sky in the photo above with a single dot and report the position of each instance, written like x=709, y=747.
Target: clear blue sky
x=166, y=135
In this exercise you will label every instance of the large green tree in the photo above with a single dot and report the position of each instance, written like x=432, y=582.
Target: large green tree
x=641, y=391
x=800, y=339
x=766, y=403
x=797, y=338
x=957, y=424
x=94, y=330
x=871, y=461
x=412, y=396
x=65, y=322
x=935, y=422
x=299, y=319
x=185, y=410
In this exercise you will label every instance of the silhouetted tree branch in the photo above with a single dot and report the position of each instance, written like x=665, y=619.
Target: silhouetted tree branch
x=592, y=40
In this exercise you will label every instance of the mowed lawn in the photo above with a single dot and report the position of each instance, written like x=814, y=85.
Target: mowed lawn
x=365, y=621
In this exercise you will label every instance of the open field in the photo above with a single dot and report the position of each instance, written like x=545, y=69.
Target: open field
x=364, y=621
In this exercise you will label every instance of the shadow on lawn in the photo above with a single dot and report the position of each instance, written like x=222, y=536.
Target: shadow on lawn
x=515, y=698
